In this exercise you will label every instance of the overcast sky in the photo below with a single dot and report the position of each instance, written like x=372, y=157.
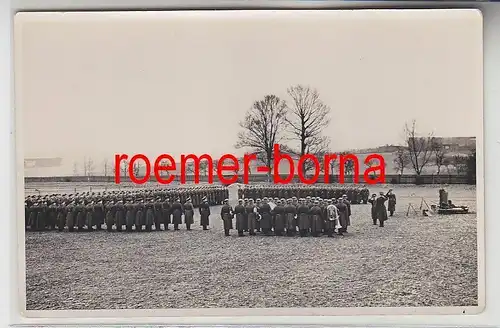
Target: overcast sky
x=97, y=84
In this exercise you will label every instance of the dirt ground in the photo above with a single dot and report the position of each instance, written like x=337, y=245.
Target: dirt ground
x=412, y=261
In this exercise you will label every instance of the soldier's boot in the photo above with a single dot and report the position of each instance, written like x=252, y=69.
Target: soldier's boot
x=99, y=226
x=188, y=226
x=149, y=227
x=138, y=227
x=240, y=233
x=374, y=221
x=205, y=227
x=119, y=228
x=303, y=232
x=392, y=213
x=165, y=226
x=129, y=228
x=157, y=226
x=176, y=227
x=330, y=233
x=251, y=232
x=381, y=223
x=226, y=232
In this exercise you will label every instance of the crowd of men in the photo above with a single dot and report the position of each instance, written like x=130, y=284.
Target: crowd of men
x=125, y=210
x=158, y=209
x=308, y=216
x=323, y=191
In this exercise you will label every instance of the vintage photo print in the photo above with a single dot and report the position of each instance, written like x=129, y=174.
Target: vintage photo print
x=250, y=162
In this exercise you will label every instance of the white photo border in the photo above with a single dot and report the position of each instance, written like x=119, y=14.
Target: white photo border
x=240, y=316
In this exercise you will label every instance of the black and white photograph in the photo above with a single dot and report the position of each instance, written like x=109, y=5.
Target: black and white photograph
x=250, y=162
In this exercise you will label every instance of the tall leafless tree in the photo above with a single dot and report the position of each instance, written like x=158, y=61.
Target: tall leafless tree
x=401, y=159
x=106, y=167
x=440, y=153
x=124, y=168
x=88, y=166
x=307, y=117
x=420, y=148
x=75, y=169
x=137, y=168
x=262, y=128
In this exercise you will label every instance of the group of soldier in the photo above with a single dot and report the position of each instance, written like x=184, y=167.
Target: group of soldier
x=125, y=210
x=323, y=191
x=379, y=211
x=307, y=216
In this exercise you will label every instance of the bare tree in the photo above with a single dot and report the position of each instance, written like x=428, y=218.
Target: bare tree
x=124, y=167
x=440, y=152
x=75, y=169
x=308, y=117
x=401, y=160
x=262, y=128
x=137, y=168
x=106, y=167
x=88, y=166
x=420, y=148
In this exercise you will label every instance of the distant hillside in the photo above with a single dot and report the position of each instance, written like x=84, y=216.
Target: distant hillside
x=453, y=144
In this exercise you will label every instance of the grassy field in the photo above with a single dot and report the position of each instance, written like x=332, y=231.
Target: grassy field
x=412, y=261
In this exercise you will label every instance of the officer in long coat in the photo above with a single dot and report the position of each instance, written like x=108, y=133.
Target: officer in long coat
x=252, y=216
x=239, y=212
x=391, y=203
x=373, y=202
x=120, y=215
x=381, y=210
x=80, y=216
x=348, y=205
x=266, y=218
x=316, y=219
x=279, y=218
x=291, y=216
x=110, y=210
x=188, y=213
x=303, y=217
x=331, y=218
x=71, y=216
x=204, y=213
x=342, y=209
x=150, y=215
x=158, y=210
x=130, y=215
x=140, y=216
x=177, y=212
x=167, y=213
x=227, y=214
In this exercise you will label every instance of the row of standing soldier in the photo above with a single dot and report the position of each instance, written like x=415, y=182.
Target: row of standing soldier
x=307, y=215
x=354, y=195
x=138, y=214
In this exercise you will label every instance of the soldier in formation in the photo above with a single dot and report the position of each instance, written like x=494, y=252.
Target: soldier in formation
x=139, y=210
